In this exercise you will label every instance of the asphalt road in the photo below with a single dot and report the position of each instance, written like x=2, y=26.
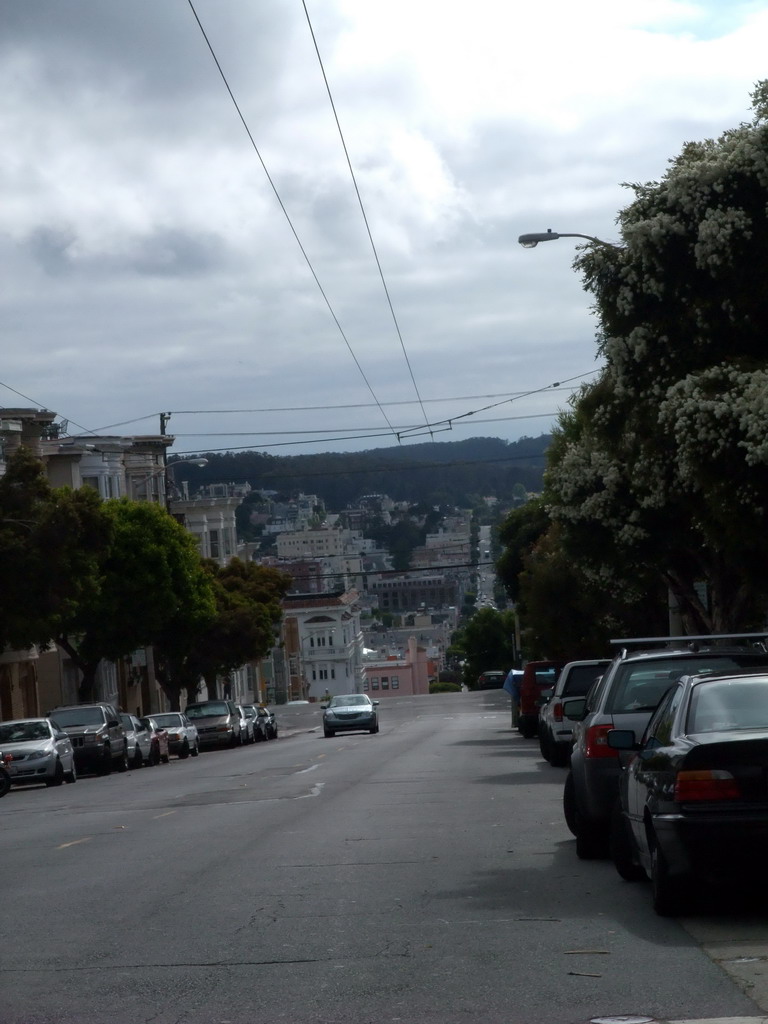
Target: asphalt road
x=423, y=875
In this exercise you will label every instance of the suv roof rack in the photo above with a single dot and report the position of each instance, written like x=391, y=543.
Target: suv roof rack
x=694, y=643
x=632, y=641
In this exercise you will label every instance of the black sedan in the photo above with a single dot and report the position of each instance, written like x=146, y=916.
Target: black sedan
x=348, y=712
x=693, y=804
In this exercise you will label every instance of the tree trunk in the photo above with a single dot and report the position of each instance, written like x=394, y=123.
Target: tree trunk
x=87, y=685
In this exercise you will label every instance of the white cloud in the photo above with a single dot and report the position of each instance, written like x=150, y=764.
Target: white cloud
x=149, y=265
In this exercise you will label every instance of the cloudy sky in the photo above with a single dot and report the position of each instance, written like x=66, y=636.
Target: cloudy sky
x=148, y=264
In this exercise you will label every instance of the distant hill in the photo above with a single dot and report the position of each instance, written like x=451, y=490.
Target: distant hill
x=448, y=472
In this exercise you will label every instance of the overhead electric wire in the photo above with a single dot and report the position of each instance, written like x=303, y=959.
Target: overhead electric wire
x=362, y=211
x=288, y=218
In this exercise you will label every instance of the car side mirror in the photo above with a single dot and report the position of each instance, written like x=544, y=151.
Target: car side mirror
x=112, y=723
x=375, y=703
x=323, y=707
x=575, y=708
x=622, y=739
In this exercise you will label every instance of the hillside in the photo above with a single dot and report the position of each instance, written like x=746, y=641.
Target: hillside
x=451, y=472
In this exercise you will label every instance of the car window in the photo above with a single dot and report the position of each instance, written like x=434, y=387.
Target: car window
x=659, y=731
x=640, y=685
x=210, y=710
x=168, y=720
x=728, y=704
x=349, y=700
x=20, y=732
x=78, y=716
x=579, y=680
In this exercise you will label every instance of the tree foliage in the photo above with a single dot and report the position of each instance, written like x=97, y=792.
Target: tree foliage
x=242, y=628
x=485, y=643
x=662, y=464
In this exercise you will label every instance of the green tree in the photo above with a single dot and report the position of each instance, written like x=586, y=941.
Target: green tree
x=52, y=543
x=486, y=643
x=151, y=579
x=662, y=465
x=247, y=599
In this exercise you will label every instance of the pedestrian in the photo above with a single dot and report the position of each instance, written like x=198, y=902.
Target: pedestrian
x=512, y=686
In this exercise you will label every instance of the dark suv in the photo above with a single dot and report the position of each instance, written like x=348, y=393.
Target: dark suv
x=625, y=698
x=96, y=734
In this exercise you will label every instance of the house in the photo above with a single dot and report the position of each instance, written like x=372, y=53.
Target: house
x=406, y=676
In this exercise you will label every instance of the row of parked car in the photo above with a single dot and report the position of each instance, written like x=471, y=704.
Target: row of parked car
x=97, y=738
x=666, y=747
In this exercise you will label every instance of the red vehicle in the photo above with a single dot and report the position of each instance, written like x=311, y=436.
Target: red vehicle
x=537, y=677
x=159, y=749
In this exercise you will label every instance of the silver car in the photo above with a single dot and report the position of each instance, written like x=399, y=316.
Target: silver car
x=139, y=741
x=36, y=751
x=183, y=739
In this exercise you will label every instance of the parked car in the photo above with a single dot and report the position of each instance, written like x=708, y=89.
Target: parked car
x=268, y=717
x=158, y=738
x=538, y=677
x=555, y=730
x=625, y=698
x=183, y=739
x=247, y=722
x=256, y=723
x=492, y=680
x=5, y=775
x=96, y=734
x=692, y=803
x=36, y=750
x=350, y=711
x=217, y=722
x=139, y=741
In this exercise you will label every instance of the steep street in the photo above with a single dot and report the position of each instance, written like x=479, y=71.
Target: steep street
x=423, y=874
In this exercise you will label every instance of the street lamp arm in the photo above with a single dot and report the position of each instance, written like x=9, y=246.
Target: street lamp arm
x=532, y=239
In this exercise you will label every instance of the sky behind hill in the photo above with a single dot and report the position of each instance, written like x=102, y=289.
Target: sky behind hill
x=149, y=267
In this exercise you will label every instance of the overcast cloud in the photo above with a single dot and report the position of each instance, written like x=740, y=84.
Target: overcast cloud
x=147, y=265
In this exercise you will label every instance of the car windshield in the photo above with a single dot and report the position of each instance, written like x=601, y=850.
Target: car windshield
x=580, y=678
x=166, y=721
x=641, y=684
x=348, y=700
x=212, y=710
x=250, y=712
x=22, y=732
x=78, y=716
x=728, y=704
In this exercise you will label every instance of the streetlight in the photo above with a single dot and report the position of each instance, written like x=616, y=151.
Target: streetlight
x=532, y=239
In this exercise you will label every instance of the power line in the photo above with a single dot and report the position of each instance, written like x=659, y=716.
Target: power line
x=362, y=211
x=282, y=433
x=386, y=572
x=287, y=217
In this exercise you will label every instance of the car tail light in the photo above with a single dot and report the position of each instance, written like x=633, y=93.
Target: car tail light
x=714, y=784
x=597, y=742
x=557, y=711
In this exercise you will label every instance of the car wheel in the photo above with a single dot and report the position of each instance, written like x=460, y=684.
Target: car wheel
x=328, y=733
x=105, y=767
x=184, y=752
x=165, y=758
x=154, y=754
x=195, y=750
x=527, y=731
x=138, y=759
x=58, y=775
x=558, y=755
x=72, y=775
x=621, y=847
x=569, y=803
x=543, y=745
x=274, y=733
x=669, y=894
x=122, y=764
x=591, y=840
x=5, y=782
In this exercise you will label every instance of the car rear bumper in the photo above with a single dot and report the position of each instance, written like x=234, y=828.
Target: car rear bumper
x=714, y=845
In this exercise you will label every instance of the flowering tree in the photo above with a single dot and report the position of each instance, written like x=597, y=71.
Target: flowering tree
x=662, y=463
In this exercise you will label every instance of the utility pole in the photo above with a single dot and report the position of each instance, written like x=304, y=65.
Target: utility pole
x=164, y=417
